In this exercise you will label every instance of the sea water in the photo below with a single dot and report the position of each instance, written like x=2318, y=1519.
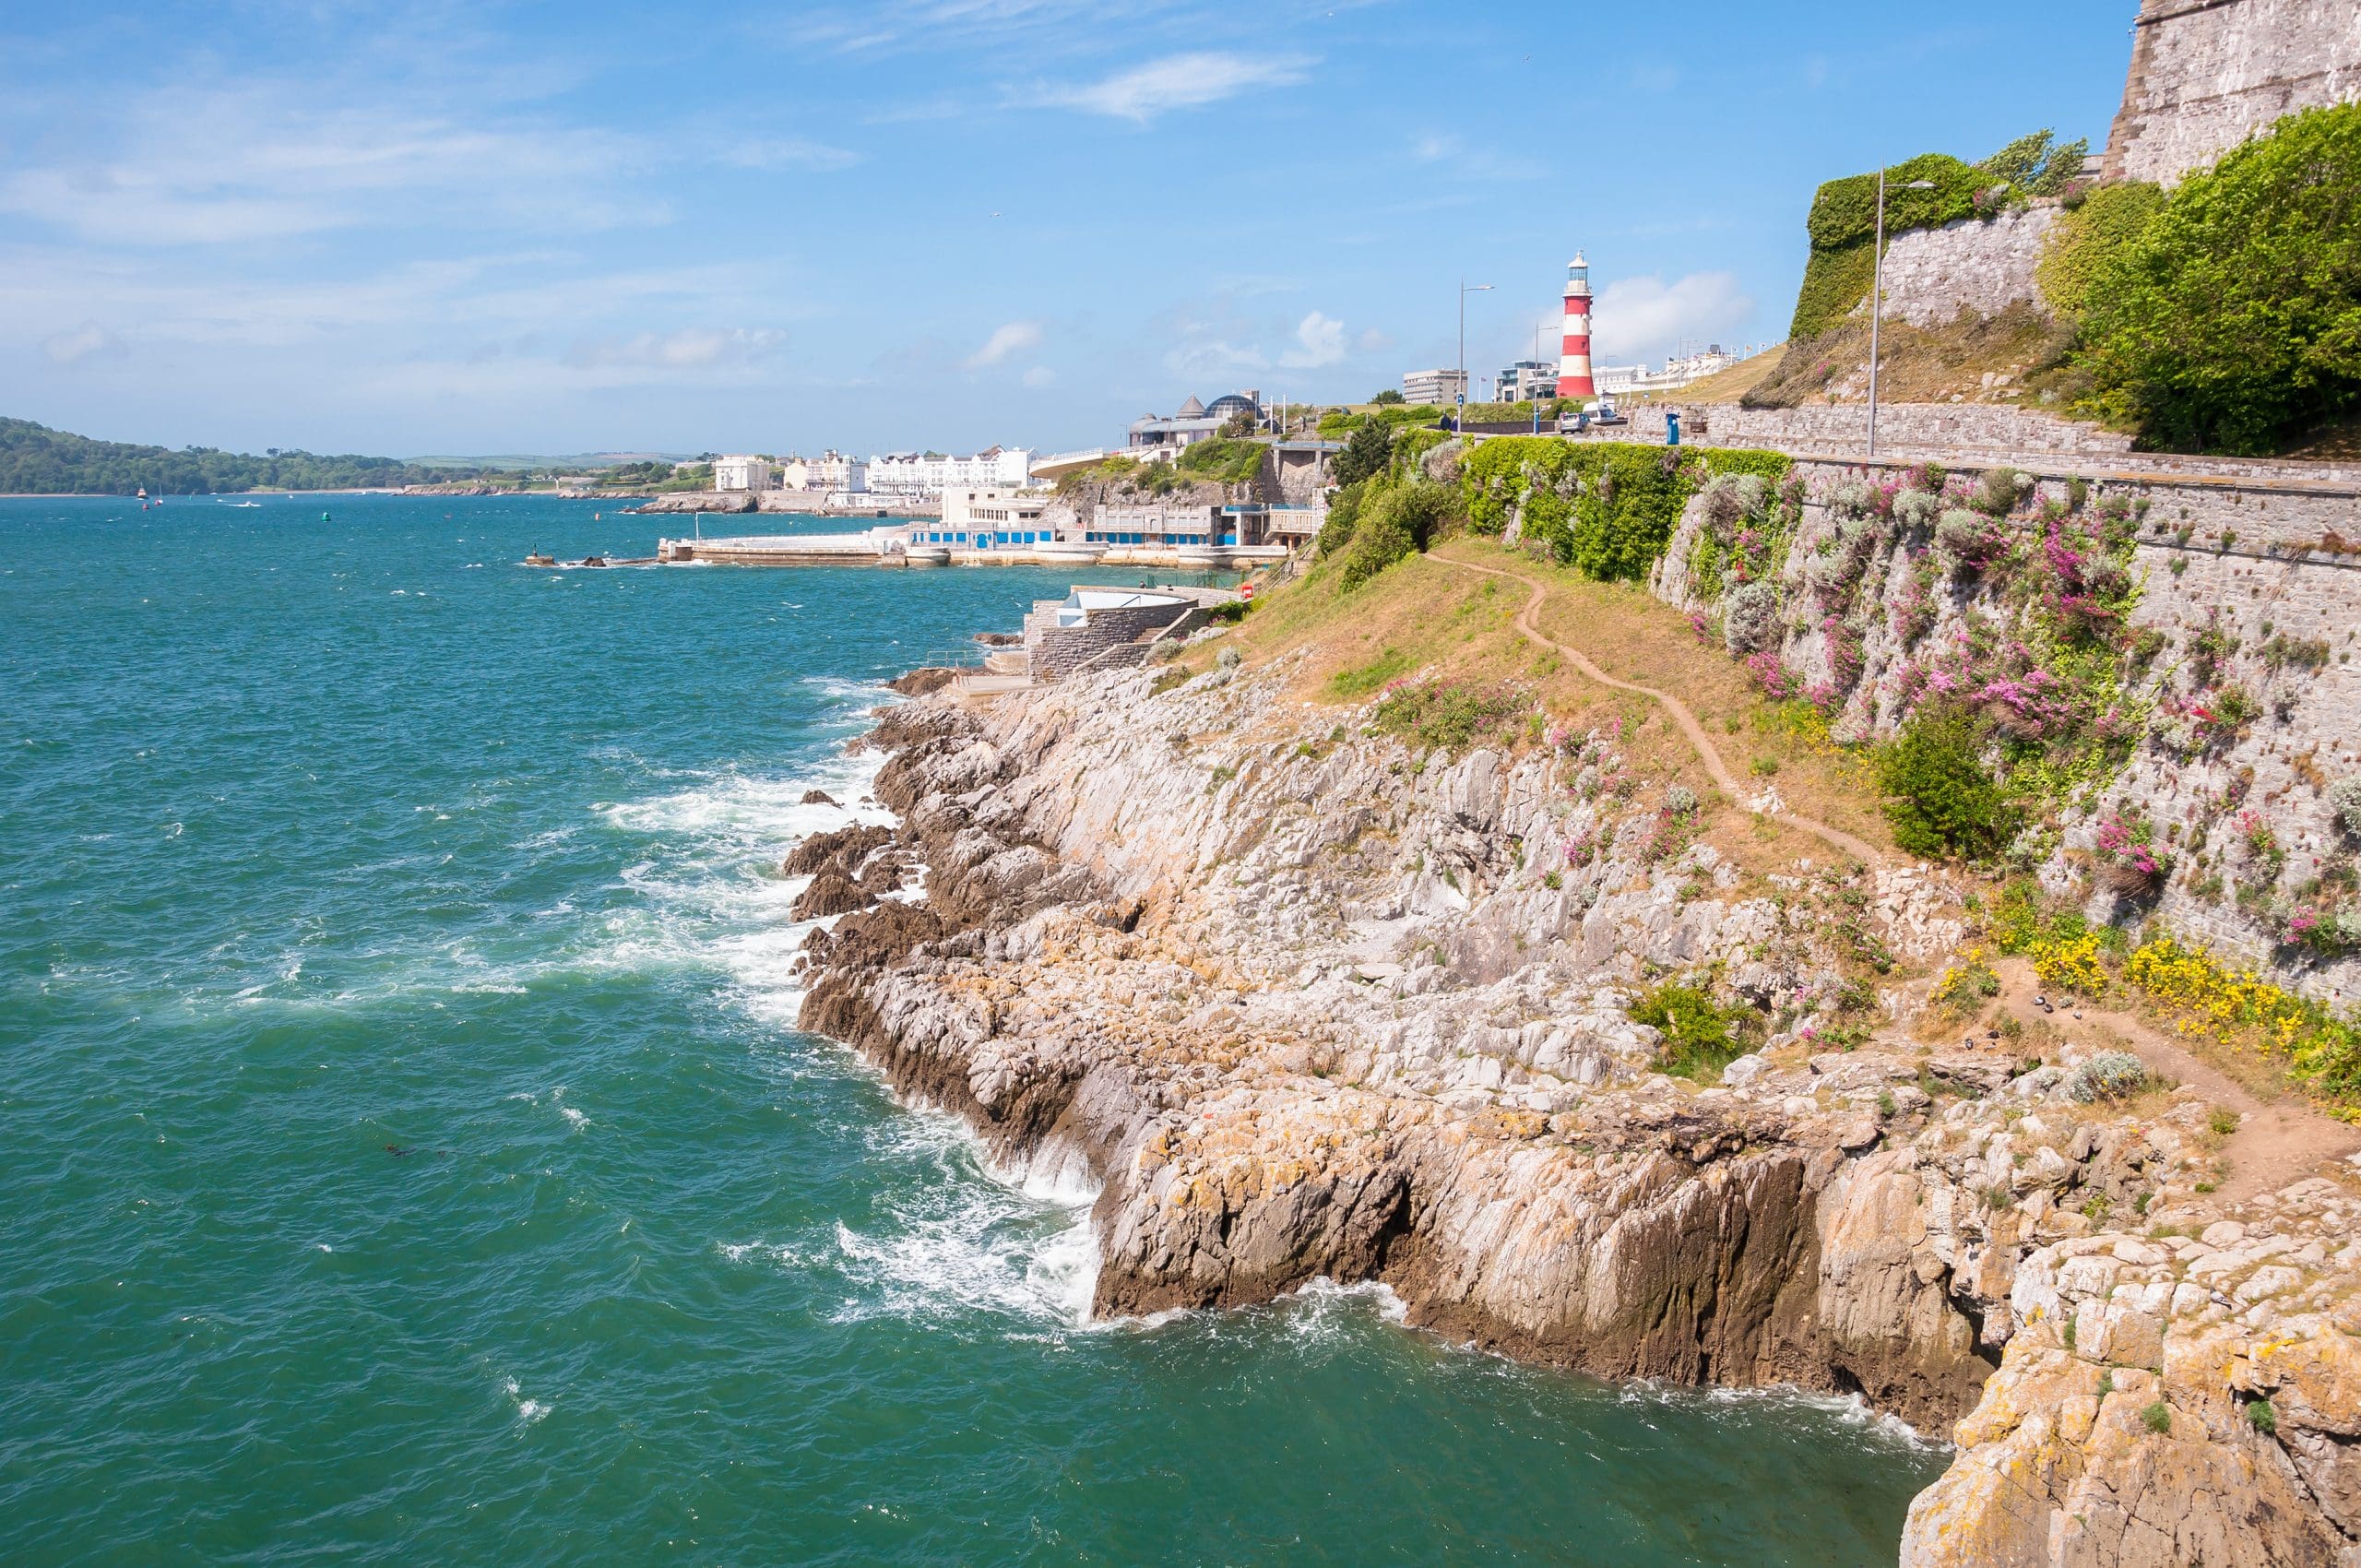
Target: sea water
x=408, y=1155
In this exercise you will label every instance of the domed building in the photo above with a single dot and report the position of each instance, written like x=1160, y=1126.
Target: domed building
x=1194, y=421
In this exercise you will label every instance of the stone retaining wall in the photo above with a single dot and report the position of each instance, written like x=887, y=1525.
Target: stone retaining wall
x=2256, y=561
x=1059, y=650
x=1982, y=265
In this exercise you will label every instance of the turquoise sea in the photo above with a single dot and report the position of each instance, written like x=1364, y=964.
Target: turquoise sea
x=407, y=1155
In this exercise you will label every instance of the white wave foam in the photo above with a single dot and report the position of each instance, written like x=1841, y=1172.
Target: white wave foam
x=710, y=892
x=1014, y=1242
x=1850, y=1409
x=867, y=693
x=528, y=1411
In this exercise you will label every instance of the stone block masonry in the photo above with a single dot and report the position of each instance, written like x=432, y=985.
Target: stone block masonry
x=2206, y=75
x=1983, y=264
x=2264, y=567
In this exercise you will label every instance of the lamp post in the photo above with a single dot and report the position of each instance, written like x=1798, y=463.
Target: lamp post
x=1877, y=298
x=1459, y=422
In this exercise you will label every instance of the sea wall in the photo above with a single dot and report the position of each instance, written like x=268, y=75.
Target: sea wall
x=2206, y=74
x=2270, y=572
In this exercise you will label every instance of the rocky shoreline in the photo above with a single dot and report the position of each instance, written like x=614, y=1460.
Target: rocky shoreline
x=1309, y=1004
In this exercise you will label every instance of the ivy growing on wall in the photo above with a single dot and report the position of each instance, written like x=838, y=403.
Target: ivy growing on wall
x=1842, y=224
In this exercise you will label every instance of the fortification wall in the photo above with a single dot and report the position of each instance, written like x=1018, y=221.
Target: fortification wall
x=2207, y=74
x=1970, y=433
x=1904, y=429
x=1983, y=264
x=2271, y=567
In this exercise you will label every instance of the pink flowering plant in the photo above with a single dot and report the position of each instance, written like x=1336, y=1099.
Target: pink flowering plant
x=2128, y=863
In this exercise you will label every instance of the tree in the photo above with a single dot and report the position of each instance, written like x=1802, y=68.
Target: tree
x=2233, y=323
x=1389, y=397
x=1367, y=452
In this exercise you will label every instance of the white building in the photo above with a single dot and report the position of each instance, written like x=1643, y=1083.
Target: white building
x=982, y=517
x=1677, y=371
x=932, y=473
x=742, y=473
x=1437, y=387
x=832, y=470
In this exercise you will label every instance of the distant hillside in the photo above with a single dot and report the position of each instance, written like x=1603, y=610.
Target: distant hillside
x=35, y=460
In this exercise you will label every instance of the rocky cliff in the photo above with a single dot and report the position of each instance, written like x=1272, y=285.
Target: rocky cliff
x=1308, y=1001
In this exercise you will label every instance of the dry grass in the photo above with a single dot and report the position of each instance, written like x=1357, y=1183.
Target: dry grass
x=1430, y=617
x=1725, y=386
x=2022, y=349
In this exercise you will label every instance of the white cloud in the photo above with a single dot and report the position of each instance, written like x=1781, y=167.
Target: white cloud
x=789, y=153
x=1180, y=81
x=1041, y=375
x=264, y=159
x=1319, y=342
x=1452, y=154
x=79, y=343
x=1013, y=338
x=1645, y=318
x=692, y=348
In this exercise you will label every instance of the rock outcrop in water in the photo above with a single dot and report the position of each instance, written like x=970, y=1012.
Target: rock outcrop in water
x=1310, y=1006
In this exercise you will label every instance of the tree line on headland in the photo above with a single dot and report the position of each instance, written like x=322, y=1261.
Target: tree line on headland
x=35, y=460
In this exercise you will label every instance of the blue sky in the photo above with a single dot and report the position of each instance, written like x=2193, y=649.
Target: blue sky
x=561, y=228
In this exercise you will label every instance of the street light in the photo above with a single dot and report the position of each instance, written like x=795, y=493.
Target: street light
x=1877, y=298
x=1466, y=288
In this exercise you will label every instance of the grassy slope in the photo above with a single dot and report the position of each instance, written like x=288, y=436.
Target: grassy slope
x=1426, y=615
x=1726, y=386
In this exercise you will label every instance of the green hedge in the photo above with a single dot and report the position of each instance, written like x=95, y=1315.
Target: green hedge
x=1607, y=508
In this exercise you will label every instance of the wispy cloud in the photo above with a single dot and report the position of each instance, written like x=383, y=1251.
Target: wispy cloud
x=78, y=343
x=1180, y=81
x=692, y=348
x=1451, y=152
x=789, y=152
x=1647, y=318
x=260, y=162
x=1013, y=338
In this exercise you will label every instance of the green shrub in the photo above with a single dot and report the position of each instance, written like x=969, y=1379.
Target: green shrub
x=1453, y=715
x=1939, y=798
x=2262, y=1418
x=2084, y=242
x=2232, y=322
x=1224, y=462
x=2157, y=1418
x=1396, y=521
x=1390, y=395
x=1343, y=516
x=1699, y=1038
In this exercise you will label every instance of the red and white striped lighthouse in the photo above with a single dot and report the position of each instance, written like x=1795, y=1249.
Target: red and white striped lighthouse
x=1573, y=356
